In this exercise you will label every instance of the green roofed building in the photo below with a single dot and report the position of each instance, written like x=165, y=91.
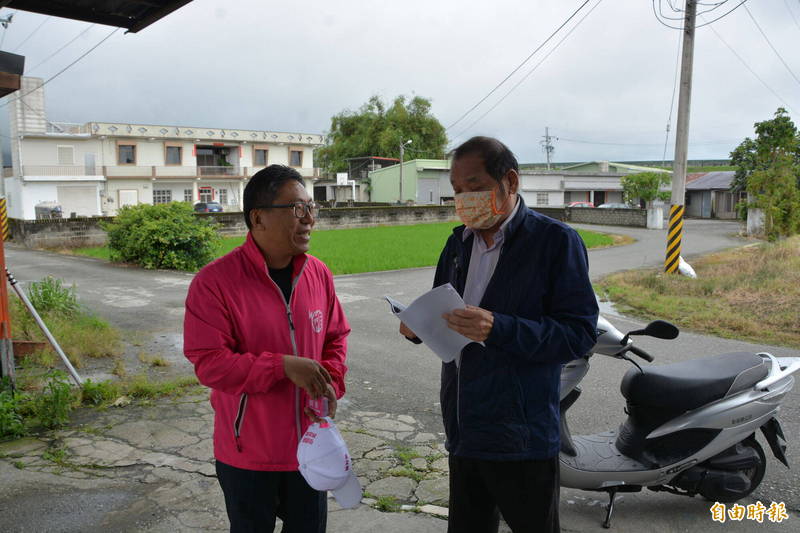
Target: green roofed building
x=425, y=181
x=610, y=166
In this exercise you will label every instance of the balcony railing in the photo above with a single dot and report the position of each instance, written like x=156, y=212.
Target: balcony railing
x=67, y=128
x=149, y=171
x=60, y=170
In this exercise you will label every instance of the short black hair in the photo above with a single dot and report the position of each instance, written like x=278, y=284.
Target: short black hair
x=497, y=158
x=263, y=187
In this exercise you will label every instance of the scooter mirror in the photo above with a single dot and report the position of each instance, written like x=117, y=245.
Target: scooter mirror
x=661, y=329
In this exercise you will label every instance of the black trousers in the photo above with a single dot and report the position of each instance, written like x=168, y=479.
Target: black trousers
x=253, y=499
x=525, y=492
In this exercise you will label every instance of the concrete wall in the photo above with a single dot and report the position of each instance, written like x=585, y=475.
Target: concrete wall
x=71, y=233
x=608, y=217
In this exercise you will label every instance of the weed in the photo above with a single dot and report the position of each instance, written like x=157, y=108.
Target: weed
x=407, y=472
x=405, y=454
x=98, y=393
x=50, y=296
x=387, y=504
x=54, y=403
x=58, y=455
x=19, y=465
x=142, y=388
x=153, y=360
x=119, y=368
x=11, y=424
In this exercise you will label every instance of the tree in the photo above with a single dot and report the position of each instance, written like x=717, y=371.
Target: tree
x=645, y=186
x=376, y=130
x=778, y=134
x=768, y=168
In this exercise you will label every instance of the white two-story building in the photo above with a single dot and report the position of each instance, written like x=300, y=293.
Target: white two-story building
x=93, y=169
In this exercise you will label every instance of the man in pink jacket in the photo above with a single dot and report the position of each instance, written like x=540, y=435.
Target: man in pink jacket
x=266, y=333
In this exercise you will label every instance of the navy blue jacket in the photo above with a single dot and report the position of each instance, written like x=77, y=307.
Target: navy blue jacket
x=503, y=402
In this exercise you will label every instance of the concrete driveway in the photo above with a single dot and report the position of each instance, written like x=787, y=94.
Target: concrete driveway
x=388, y=374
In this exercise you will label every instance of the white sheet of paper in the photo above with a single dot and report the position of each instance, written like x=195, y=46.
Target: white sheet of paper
x=424, y=317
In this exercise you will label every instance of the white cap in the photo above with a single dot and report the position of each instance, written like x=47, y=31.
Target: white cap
x=325, y=463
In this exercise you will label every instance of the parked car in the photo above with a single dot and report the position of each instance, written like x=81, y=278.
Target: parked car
x=208, y=207
x=615, y=205
x=580, y=204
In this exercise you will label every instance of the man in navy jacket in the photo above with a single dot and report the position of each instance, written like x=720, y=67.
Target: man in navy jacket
x=530, y=308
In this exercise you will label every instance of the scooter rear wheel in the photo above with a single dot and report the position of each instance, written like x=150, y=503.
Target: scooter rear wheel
x=755, y=474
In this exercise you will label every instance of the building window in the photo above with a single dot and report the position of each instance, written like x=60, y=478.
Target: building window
x=66, y=155
x=260, y=157
x=126, y=154
x=295, y=158
x=223, y=196
x=173, y=155
x=542, y=198
x=162, y=196
x=206, y=194
x=188, y=195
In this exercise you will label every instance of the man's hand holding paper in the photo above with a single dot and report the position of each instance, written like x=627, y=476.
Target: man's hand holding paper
x=473, y=322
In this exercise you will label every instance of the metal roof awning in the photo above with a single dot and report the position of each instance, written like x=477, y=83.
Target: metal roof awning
x=132, y=15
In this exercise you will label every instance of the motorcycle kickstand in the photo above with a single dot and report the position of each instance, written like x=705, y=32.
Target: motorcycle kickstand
x=612, y=493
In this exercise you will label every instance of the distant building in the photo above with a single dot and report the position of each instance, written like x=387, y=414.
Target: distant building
x=357, y=189
x=610, y=166
x=425, y=181
x=708, y=195
x=95, y=168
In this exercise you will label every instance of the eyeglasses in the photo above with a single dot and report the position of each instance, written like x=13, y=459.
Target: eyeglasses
x=299, y=208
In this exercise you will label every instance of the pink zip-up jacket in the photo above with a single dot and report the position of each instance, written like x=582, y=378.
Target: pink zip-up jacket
x=236, y=330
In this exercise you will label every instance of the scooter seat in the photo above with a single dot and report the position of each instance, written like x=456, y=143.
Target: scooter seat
x=691, y=384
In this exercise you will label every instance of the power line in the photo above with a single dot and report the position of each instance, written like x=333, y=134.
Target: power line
x=672, y=98
x=659, y=15
x=750, y=69
x=31, y=34
x=471, y=109
x=786, y=3
x=770, y=45
x=604, y=143
x=45, y=60
x=60, y=72
x=536, y=66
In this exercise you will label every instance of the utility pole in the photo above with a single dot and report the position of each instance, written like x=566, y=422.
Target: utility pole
x=402, y=151
x=547, y=145
x=676, y=208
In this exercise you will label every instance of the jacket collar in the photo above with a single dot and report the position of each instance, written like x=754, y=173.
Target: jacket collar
x=254, y=255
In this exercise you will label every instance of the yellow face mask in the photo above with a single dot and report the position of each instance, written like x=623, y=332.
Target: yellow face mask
x=477, y=210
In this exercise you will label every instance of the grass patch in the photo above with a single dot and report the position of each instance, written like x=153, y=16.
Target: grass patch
x=153, y=360
x=388, y=504
x=351, y=251
x=750, y=293
x=407, y=472
x=79, y=333
x=405, y=454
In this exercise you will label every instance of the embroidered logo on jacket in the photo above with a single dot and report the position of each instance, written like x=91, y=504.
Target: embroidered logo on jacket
x=316, y=320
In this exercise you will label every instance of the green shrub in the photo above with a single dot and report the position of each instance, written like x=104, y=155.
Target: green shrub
x=162, y=236
x=50, y=296
x=99, y=393
x=53, y=404
x=11, y=424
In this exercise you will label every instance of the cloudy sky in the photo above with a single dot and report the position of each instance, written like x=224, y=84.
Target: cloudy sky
x=604, y=92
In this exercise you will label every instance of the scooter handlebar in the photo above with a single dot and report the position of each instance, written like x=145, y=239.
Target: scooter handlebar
x=641, y=353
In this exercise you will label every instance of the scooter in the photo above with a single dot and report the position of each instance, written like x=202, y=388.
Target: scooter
x=691, y=425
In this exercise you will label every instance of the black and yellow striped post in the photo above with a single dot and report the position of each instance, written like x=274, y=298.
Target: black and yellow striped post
x=674, y=238
x=3, y=219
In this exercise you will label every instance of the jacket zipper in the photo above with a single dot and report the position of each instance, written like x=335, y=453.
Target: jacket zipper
x=243, y=400
x=457, y=265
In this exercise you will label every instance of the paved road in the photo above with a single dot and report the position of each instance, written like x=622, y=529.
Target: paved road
x=389, y=374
